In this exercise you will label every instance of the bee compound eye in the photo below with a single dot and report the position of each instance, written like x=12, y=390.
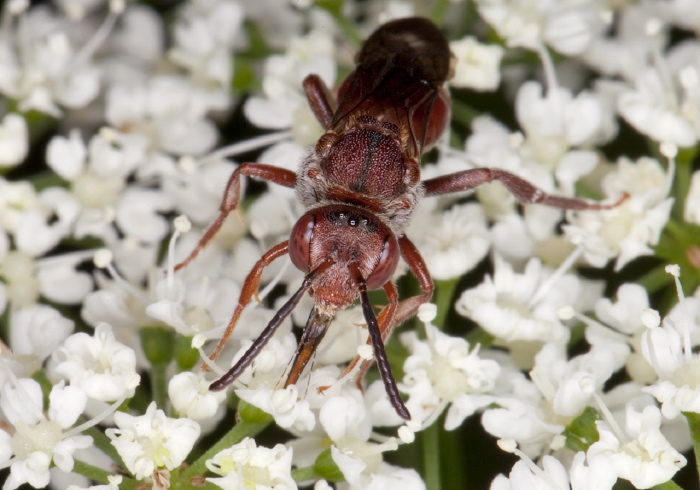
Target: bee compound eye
x=386, y=265
x=300, y=242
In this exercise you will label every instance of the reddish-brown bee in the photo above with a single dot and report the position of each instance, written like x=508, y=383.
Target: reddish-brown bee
x=360, y=185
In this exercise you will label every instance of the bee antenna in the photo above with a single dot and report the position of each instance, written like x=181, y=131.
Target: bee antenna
x=378, y=345
x=270, y=330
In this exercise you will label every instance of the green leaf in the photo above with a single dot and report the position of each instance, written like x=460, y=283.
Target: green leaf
x=678, y=244
x=694, y=426
x=252, y=414
x=305, y=474
x=185, y=356
x=582, y=431
x=158, y=344
x=244, y=79
x=235, y=435
x=326, y=467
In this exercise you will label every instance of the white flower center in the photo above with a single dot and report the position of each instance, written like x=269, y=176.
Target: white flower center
x=252, y=475
x=448, y=382
x=154, y=449
x=505, y=302
x=38, y=437
x=370, y=454
x=617, y=227
x=19, y=270
x=96, y=192
x=687, y=375
x=547, y=150
x=200, y=317
x=255, y=476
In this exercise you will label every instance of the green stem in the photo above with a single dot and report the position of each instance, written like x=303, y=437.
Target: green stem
x=305, y=474
x=444, y=292
x=158, y=345
x=694, y=425
x=431, y=457
x=655, y=280
x=454, y=473
x=92, y=472
x=237, y=433
x=159, y=385
x=103, y=443
x=681, y=181
x=669, y=485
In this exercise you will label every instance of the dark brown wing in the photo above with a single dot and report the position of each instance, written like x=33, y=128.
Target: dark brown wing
x=399, y=76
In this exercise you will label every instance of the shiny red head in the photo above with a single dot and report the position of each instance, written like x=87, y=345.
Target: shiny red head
x=346, y=234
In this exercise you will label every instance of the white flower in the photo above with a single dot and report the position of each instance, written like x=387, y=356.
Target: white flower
x=444, y=370
x=644, y=456
x=191, y=397
x=40, y=69
x=39, y=440
x=518, y=237
x=152, y=441
x=259, y=384
x=457, y=241
x=665, y=101
x=598, y=475
x=624, y=319
x=646, y=109
x=42, y=229
x=629, y=230
x=284, y=104
x=492, y=145
x=38, y=221
x=668, y=349
x=556, y=122
x=138, y=214
x=109, y=155
x=280, y=23
x=104, y=368
x=557, y=114
x=626, y=54
x=269, y=363
x=568, y=26
x=135, y=46
x=625, y=314
x=36, y=332
x=477, y=64
x=522, y=418
x=344, y=335
x=204, y=36
x=195, y=189
x=54, y=277
x=364, y=470
x=344, y=416
x=196, y=301
x=692, y=201
x=284, y=404
x=569, y=384
x=245, y=465
x=15, y=199
x=167, y=111
x=98, y=176
x=513, y=306
x=14, y=140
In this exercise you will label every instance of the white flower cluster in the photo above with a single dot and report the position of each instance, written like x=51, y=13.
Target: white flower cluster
x=115, y=118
